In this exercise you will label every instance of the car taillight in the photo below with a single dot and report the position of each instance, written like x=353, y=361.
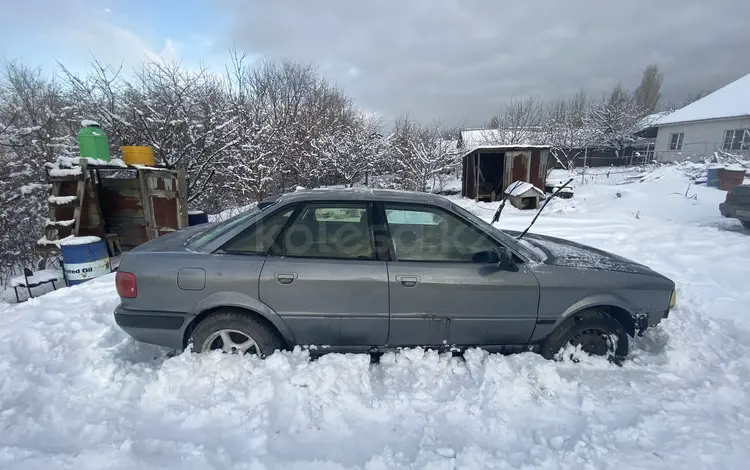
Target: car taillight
x=127, y=287
x=732, y=197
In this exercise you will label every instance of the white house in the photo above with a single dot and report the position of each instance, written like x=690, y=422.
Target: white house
x=719, y=121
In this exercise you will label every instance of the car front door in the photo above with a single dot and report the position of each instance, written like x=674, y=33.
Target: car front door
x=444, y=286
x=324, y=278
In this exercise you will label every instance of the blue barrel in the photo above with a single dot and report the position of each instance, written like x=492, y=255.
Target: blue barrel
x=712, y=178
x=84, y=258
x=197, y=218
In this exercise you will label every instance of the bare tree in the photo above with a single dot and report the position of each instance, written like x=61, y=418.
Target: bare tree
x=690, y=98
x=519, y=122
x=648, y=93
x=422, y=154
x=354, y=151
x=616, y=119
x=567, y=129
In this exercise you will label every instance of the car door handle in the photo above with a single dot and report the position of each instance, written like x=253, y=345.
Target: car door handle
x=408, y=281
x=285, y=278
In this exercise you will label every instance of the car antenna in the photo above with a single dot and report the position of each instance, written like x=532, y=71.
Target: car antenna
x=542, y=208
x=499, y=210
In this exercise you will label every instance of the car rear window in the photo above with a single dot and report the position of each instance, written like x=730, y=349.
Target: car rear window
x=214, y=232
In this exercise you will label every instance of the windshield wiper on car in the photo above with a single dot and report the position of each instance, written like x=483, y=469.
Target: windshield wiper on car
x=542, y=208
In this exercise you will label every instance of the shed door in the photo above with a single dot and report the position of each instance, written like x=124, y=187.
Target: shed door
x=164, y=201
x=537, y=178
x=520, y=167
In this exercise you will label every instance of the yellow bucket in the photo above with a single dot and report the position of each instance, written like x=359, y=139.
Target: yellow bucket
x=138, y=155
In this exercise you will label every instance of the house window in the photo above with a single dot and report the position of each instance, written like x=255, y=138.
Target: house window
x=737, y=139
x=675, y=141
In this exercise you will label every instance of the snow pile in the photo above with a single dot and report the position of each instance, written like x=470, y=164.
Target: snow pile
x=38, y=277
x=77, y=393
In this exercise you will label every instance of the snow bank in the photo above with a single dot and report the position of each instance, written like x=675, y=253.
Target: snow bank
x=77, y=393
x=39, y=276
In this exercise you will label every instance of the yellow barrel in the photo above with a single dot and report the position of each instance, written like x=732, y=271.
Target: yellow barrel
x=138, y=155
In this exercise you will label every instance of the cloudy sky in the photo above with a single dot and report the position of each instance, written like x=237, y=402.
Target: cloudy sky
x=457, y=60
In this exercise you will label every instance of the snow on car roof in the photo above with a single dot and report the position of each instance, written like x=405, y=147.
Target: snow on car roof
x=729, y=101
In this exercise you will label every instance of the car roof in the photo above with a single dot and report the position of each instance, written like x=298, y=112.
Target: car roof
x=363, y=194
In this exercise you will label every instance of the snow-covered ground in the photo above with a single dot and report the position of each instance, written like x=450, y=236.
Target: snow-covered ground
x=75, y=392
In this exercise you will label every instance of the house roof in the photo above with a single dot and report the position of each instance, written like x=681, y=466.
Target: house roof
x=732, y=100
x=475, y=138
x=652, y=119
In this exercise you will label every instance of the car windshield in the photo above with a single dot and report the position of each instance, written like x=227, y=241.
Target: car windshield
x=502, y=236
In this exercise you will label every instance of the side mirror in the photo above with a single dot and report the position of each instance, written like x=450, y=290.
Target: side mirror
x=486, y=257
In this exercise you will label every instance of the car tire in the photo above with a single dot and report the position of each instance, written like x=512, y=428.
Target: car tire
x=594, y=331
x=236, y=328
x=745, y=223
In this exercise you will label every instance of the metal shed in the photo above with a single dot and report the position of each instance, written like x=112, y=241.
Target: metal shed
x=489, y=169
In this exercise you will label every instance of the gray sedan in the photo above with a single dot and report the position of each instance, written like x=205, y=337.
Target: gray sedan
x=374, y=270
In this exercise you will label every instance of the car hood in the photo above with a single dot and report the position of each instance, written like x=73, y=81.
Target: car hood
x=562, y=252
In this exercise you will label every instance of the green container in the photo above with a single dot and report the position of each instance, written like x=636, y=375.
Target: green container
x=93, y=142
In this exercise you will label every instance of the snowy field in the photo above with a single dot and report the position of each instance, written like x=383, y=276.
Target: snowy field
x=76, y=393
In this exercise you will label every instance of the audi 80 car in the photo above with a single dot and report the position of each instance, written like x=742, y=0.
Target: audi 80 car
x=356, y=270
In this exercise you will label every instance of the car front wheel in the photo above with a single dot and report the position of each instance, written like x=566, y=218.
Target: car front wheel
x=235, y=333
x=596, y=332
x=745, y=223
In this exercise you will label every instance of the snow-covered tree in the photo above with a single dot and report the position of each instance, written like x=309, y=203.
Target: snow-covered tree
x=421, y=154
x=616, y=119
x=519, y=122
x=353, y=151
x=568, y=130
x=35, y=126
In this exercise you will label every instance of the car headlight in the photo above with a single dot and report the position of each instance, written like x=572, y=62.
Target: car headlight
x=673, y=300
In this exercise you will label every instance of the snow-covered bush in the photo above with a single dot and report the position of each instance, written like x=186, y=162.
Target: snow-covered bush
x=36, y=125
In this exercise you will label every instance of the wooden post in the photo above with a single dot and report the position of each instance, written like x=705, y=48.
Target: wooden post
x=476, y=179
x=148, y=209
x=81, y=194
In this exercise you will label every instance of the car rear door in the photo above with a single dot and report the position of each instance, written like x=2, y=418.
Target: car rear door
x=324, y=278
x=441, y=290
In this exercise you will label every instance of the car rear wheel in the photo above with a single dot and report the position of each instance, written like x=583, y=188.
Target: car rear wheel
x=235, y=333
x=596, y=332
x=745, y=223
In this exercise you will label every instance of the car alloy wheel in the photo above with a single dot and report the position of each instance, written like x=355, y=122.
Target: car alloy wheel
x=231, y=342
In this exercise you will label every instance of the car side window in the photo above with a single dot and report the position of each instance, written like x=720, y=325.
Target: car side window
x=427, y=234
x=330, y=230
x=258, y=238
